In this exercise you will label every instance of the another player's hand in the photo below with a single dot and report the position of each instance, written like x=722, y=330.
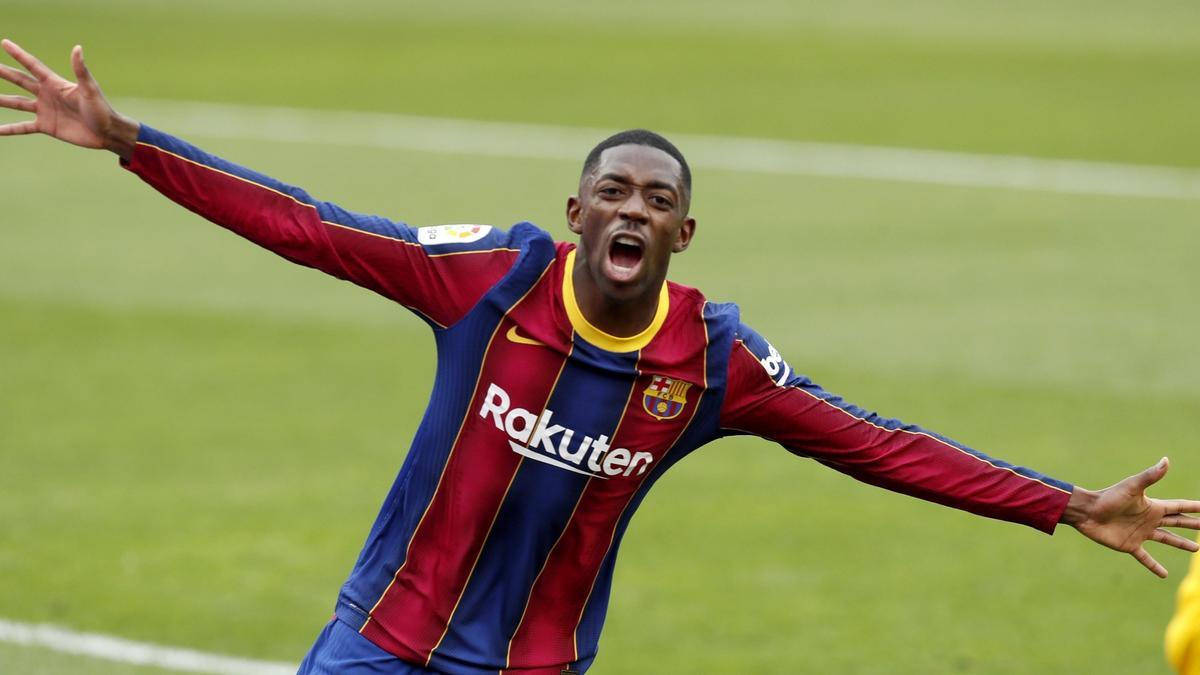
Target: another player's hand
x=1123, y=518
x=75, y=112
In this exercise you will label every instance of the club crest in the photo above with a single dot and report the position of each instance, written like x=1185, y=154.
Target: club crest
x=665, y=398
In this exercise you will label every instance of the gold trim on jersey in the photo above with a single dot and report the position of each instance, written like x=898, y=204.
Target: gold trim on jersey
x=598, y=337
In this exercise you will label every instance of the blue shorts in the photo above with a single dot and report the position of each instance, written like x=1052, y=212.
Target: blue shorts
x=340, y=650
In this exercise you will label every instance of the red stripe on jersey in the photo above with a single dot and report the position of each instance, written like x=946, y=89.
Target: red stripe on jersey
x=411, y=617
x=443, y=288
x=906, y=461
x=546, y=633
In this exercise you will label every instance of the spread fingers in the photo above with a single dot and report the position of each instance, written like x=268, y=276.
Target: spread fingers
x=21, y=103
x=22, y=80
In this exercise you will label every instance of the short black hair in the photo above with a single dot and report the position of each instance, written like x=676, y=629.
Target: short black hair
x=638, y=137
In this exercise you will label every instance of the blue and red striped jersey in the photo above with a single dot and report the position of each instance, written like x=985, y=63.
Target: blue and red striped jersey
x=494, y=549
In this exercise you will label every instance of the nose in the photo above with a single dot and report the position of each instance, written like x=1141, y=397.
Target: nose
x=634, y=208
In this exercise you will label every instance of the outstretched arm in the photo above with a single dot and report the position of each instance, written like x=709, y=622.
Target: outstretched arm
x=420, y=269
x=766, y=398
x=75, y=112
x=1123, y=518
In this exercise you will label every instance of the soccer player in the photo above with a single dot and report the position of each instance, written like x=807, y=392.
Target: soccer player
x=1183, y=633
x=570, y=377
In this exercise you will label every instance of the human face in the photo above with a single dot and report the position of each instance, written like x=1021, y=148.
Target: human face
x=630, y=215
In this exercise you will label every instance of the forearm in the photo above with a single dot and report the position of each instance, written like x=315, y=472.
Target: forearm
x=374, y=252
x=932, y=469
x=268, y=212
x=767, y=398
x=367, y=250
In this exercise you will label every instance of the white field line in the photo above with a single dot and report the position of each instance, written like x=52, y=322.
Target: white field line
x=538, y=141
x=138, y=653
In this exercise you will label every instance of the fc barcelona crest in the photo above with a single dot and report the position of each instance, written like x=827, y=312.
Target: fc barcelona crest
x=665, y=398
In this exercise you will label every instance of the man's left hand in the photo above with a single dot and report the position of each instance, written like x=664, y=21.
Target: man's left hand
x=1123, y=518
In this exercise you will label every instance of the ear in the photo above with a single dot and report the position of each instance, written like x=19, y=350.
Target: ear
x=683, y=239
x=574, y=210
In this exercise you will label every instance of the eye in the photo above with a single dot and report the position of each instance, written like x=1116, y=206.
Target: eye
x=608, y=191
x=660, y=200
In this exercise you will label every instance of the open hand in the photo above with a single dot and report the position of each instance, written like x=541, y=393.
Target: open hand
x=1123, y=518
x=75, y=112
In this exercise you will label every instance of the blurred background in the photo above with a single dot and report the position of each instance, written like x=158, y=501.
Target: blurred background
x=195, y=435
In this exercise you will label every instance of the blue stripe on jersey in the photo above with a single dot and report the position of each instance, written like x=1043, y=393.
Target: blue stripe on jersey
x=328, y=212
x=535, y=513
x=790, y=378
x=720, y=321
x=460, y=360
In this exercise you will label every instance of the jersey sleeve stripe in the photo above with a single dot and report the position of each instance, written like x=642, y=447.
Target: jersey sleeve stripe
x=313, y=207
x=394, y=259
x=994, y=463
x=216, y=171
x=481, y=250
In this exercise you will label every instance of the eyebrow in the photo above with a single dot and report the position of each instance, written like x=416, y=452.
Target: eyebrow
x=654, y=184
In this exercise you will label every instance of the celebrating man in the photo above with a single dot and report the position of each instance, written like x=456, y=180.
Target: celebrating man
x=570, y=377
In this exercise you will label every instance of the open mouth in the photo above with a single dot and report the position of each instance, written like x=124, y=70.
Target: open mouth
x=625, y=255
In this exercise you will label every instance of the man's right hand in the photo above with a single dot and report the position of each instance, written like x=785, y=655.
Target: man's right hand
x=75, y=112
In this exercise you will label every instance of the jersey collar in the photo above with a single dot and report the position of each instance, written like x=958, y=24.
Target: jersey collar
x=598, y=337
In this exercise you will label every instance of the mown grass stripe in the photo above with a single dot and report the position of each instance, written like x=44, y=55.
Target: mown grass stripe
x=540, y=141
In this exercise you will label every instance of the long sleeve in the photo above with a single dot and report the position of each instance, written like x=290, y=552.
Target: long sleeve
x=766, y=398
x=439, y=272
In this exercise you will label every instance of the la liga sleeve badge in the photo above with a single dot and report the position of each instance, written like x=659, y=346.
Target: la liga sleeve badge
x=451, y=234
x=665, y=398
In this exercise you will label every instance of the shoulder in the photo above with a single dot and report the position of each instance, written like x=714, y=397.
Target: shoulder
x=705, y=325
x=721, y=319
x=723, y=324
x=692, y=301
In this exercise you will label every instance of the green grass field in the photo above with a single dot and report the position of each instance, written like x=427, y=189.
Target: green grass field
x=195, y=435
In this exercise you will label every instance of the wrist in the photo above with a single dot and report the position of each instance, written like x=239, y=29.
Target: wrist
x=122, y=136
x=1079, y=508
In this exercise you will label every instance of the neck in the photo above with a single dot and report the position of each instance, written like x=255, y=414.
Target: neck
x=621, y=318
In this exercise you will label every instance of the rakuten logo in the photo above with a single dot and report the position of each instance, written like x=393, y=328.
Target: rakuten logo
x=534, y=438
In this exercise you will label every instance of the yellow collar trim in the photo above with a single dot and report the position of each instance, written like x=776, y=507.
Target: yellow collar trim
x=598, y=337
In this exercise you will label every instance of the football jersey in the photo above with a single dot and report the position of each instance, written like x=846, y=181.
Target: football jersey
x=494, y=549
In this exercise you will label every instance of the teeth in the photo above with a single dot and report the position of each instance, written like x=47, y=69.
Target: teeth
x=628, y=240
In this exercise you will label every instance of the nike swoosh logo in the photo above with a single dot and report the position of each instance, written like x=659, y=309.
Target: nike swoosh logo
x=513, y=336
